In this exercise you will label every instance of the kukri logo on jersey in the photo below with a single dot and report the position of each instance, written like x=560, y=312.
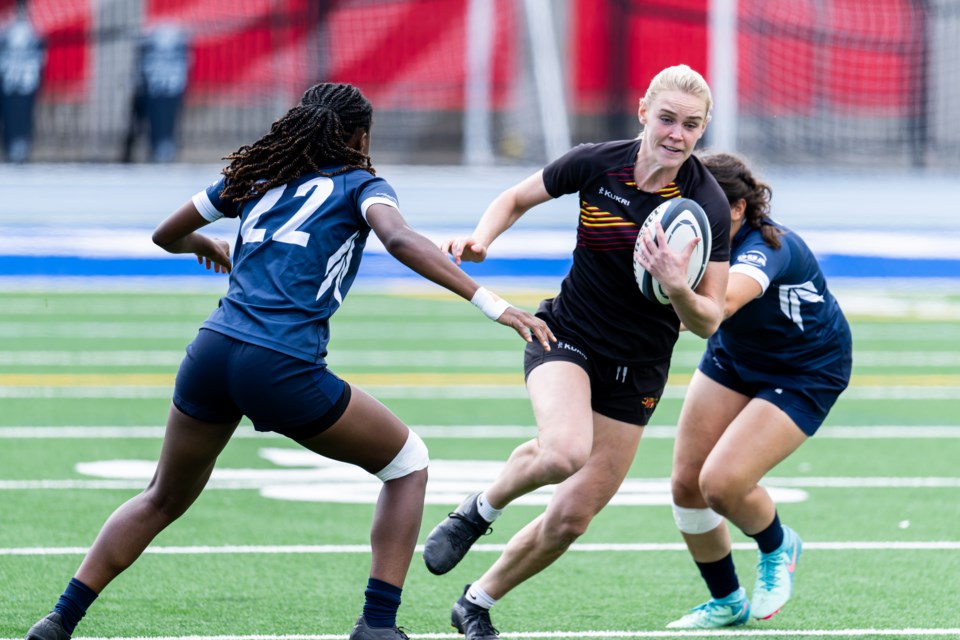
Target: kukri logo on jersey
x=610, y=194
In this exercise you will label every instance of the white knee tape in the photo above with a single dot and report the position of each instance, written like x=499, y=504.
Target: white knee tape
x=412, y=457
x=696, y=520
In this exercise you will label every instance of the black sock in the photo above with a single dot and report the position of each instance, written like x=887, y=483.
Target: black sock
x=382, y=602
x=771, y=538
x=73, y=604
x=720, y=576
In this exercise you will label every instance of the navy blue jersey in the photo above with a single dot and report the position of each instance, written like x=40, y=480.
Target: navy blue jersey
x=296, y=256
x=600, y=302
x=795, y=324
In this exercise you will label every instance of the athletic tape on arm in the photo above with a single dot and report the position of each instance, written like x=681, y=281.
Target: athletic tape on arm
x=489, y=304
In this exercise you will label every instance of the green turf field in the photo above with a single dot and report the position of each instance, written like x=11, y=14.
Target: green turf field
x=277, y=545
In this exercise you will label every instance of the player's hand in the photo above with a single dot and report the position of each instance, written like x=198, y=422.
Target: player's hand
x=464, y=248
x=664, y=264
x=215, y=254
x=528, y=326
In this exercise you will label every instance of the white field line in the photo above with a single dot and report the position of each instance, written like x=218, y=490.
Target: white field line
x=186, y=330
x=478, y=432
x=895, y=393
x=296, y=480
x=242, y=484
x=333, y=549
x=460, y=330
x=198, y=305
x=611, y=635
x=498, y=359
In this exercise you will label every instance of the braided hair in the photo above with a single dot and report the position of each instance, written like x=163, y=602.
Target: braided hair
x=739, y=183
x=312, y=134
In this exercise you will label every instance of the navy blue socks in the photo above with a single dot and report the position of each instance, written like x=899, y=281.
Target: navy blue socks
x=382, y=602
x=771, y=538
x=73, y=604
x=720, y=576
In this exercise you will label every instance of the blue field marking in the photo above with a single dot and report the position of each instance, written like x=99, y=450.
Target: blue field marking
x=56, y=221
x=834, y=266
x=843, y=266
x=378, y=266
x=92, y=267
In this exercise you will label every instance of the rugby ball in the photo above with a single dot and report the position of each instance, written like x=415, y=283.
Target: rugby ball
x=682, y=220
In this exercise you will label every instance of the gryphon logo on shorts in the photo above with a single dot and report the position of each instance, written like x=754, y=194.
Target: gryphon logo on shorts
x=791, y=295
x=755, y=258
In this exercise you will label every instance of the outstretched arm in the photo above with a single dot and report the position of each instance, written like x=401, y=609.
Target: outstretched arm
x=500, y=215
x=178, y=234
x=420, y=254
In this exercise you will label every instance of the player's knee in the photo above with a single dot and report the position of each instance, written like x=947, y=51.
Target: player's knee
x=557, y=466
x=564, y=531
x=164, y=506
x=685, y=487
x=721, y=491
x=413, y=456
x=696, y=521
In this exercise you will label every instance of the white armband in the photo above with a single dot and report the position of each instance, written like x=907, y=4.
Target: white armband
x=489, y=304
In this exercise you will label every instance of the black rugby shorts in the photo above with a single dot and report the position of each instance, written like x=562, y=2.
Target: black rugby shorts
x=624, y=391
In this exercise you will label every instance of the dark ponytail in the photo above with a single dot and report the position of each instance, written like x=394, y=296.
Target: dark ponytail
x=314, y=133
x=739, y=183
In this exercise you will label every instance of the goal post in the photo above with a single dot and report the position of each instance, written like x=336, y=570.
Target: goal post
x=722, y=73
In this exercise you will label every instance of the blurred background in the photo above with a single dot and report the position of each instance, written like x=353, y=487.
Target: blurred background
x=113, y=112
x=824, y=82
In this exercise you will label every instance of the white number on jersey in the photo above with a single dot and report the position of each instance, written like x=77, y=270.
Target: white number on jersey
x=322, y=188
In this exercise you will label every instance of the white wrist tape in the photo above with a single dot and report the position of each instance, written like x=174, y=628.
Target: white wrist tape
x=489, y=304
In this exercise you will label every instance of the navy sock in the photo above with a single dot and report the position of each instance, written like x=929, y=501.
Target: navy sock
x=382, y=602
x=73, y=604
x=720, y=576
x=770, y=539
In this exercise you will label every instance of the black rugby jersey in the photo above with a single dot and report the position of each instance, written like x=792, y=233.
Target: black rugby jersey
x=599, y=300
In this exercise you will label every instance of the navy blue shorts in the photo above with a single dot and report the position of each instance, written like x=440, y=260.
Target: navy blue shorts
x=806, y=397
x=222, y=379
x=619, y=390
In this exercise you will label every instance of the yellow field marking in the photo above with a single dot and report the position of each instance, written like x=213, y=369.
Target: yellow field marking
x=526, y=298
x=84, y=379
x=893, y=380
